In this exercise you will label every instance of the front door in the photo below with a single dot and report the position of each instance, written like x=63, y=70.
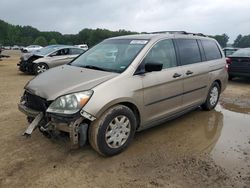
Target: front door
x=162, y=89
x=60, y=57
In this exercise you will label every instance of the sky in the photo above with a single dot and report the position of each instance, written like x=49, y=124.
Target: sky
x=70, y=16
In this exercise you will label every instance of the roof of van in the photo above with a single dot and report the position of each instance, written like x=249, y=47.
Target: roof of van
x=161, y=35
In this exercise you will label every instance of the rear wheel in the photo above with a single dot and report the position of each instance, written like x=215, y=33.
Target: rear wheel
x=213, y=97
x=113, y=131
x=40, y=68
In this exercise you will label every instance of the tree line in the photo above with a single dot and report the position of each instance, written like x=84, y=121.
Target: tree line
x=26, y=35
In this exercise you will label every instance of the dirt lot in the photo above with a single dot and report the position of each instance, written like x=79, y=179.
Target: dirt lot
x=200, y=149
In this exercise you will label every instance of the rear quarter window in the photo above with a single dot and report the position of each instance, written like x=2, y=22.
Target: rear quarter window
x=76, y=51
x=211, y=50
x=189, y=51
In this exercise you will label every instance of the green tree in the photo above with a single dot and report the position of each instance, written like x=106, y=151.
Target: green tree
x=242, y=41
x=52, y=41
x=222, y=39
x=41, y=41
x=237, y=41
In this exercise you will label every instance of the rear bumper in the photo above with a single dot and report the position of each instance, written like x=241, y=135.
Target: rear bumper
x=239, y=70
x=240, y=74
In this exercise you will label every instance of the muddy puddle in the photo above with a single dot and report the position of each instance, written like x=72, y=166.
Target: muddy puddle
x=221, y=134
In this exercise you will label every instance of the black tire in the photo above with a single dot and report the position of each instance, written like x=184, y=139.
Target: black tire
x=209, y=105
x=40, y=68
x=98, y=130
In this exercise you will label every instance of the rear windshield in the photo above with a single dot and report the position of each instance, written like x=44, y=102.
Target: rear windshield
x=113, y=55
x=241, y=53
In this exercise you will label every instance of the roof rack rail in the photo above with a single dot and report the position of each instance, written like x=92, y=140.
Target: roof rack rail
x=178, y=32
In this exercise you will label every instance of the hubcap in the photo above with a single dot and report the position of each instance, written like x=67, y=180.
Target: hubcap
x=214, y=94
x=118, y=131
x=41, y=68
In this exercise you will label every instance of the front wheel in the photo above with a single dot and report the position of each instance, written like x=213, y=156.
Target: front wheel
x=40, y=68
x=213, y=97
x=113, y=131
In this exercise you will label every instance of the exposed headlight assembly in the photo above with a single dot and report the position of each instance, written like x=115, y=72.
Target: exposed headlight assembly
x=71, y=103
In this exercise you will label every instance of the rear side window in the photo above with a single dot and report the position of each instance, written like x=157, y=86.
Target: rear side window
x=76, y=51
x=211, y=50
x=189, y=51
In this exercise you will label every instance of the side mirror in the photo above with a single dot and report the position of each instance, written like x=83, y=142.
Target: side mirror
x=150, y=67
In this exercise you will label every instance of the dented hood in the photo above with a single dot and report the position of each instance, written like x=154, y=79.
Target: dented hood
x=66, y=79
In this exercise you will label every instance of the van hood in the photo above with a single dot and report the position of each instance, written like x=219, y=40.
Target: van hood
x=66, y=79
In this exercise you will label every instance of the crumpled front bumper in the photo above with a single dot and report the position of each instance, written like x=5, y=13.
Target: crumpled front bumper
x=27, y=111
x=25, y=66
x=77, y=127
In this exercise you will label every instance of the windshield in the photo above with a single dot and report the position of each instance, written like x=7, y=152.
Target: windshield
x=113, y=55
x=46, y=50
x=242, y=53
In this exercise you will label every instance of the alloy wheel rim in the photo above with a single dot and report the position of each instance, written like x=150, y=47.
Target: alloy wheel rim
x=214, y=94
x=41, y=68
x=118, y=131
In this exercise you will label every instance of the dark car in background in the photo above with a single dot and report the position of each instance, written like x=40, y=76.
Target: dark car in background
x=239, y=63
x=48, y=57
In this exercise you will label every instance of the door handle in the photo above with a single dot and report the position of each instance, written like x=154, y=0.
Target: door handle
x=189, y=72
x=176, y=75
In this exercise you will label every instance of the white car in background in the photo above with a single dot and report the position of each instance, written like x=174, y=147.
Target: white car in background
x=31, y=48
x=83, y=46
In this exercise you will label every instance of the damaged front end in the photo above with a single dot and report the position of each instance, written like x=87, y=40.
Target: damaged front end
x=46, y=116
x=26, y=62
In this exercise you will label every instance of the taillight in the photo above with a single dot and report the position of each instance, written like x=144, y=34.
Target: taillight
x=229, y=61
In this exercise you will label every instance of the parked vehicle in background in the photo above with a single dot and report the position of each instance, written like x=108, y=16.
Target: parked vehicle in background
x=229, y=51
x=239, y=63
x=2, y=56
x=15, y=47
x=31, y=48
x=126, y=84
x=83, y=46
x=7, y=47
x=48, y=57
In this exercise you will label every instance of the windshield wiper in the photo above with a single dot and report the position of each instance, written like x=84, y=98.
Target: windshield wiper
x=93, y=67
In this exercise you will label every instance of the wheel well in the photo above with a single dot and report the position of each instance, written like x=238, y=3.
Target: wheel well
x=135, y=110
x=219, y=82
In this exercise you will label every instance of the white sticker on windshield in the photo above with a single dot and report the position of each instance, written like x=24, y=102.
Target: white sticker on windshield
x=138, y=42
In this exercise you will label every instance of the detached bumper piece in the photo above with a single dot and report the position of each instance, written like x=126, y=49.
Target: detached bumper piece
x=34, y=124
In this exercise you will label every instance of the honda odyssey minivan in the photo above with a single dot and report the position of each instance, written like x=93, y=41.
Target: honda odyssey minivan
x=151, y=78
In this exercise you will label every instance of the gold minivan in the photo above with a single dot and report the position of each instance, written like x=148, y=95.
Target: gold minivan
x=123, y=85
